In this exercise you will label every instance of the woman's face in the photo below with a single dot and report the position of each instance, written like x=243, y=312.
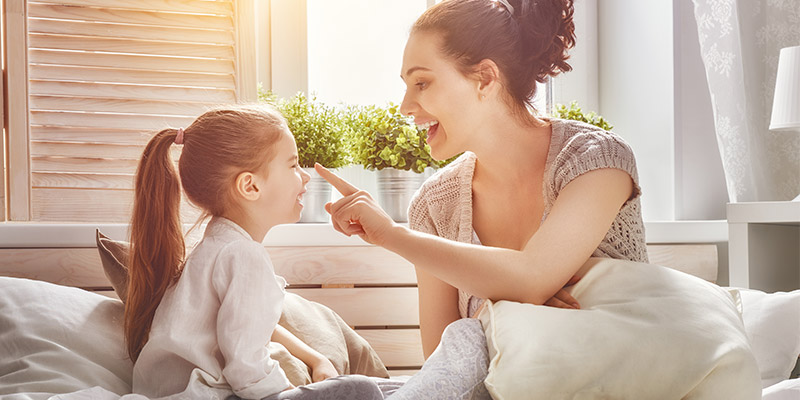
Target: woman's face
x=439, y=96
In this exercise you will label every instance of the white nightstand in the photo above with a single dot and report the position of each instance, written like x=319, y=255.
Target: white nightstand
x=764, y=245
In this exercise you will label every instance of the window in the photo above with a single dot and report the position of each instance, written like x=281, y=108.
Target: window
x=89, y=80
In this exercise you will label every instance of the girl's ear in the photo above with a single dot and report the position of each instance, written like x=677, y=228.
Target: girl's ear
x=246, y=186
x=488, y=77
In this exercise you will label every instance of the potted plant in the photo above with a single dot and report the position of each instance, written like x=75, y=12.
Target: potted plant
x=574, y=112
x=385, y=141
x=319, y=132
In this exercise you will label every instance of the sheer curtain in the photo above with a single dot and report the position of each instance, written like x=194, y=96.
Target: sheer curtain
x=740, y=41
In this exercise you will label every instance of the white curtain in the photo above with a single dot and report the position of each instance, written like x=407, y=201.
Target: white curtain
x=740, y=41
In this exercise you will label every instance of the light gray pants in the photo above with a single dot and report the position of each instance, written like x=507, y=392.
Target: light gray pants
x=455, y=371
x=344, y=387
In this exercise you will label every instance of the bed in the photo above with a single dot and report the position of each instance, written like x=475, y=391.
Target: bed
x=58, y=294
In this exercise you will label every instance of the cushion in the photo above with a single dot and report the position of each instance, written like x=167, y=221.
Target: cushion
x=114, y=257
x=313, y=323
x=644, y=331
x=772, y=323
x=58, y=339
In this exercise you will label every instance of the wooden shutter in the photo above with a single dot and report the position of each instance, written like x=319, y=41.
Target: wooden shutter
x=104, y=75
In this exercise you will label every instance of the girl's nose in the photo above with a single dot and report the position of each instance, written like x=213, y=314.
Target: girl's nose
x=306, y=176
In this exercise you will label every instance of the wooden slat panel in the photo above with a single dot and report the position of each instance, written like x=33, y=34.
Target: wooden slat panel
x=84, y=205
x=131, y=121
x=99, y=29
x=129, y=17
x=394, y=373
x=128, y=46
x=92, y=150
x=122, y=91
x=81, y=205
x=369, y=306
x=133, y=61
x=89, y=165
x=111, y=135
x=121, y=75
x=188, y=109
x=68, y=266
x=90, y=181
x=396, y=347
x=699, y=260
x=188, y=6
x=341, y=265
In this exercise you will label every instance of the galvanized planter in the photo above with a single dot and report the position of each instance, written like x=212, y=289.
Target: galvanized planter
x=318, y=192
x=395, y=189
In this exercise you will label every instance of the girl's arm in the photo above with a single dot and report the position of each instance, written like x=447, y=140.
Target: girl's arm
x=321, y=367
x=577, y=223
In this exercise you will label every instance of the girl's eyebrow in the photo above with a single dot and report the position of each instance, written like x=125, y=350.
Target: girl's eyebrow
x=412, y=70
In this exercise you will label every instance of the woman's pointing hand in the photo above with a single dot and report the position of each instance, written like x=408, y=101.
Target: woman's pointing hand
x=356, y=213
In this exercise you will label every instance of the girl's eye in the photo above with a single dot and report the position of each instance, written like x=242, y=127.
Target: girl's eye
x=422, y=85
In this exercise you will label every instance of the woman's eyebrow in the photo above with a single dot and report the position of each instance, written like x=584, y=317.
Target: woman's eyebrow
x=412, y=70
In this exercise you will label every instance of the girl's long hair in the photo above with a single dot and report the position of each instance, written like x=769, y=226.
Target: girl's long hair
x=217, y=146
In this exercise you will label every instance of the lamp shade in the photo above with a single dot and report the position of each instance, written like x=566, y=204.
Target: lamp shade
x=786, y=104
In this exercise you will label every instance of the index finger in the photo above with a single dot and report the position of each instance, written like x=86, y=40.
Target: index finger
x=344, y=187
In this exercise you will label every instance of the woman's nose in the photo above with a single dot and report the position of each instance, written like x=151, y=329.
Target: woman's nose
x=306, y=176
x=408, y=106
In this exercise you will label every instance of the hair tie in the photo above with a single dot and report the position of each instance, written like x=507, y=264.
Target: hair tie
x=179, y=136
x=507, y=5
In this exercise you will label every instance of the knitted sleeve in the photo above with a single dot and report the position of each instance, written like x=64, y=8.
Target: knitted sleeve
x=590, y=150
x=419, y=217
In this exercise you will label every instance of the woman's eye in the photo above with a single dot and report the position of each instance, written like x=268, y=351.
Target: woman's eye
x=422, y=85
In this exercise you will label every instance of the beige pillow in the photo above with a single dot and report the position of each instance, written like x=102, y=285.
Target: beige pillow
x=313, y=323
x=643, y=332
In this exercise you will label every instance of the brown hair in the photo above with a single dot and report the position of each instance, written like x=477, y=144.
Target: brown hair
x=217, y=146
x=527, y=46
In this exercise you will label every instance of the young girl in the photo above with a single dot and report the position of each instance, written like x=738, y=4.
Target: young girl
x=201, y=325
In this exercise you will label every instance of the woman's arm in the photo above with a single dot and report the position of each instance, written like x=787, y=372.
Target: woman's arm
x=438, y=307
x=577, y=223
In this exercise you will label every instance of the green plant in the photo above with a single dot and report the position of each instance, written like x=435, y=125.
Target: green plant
x=381, y=138
x=574, y=112
x=319, y=130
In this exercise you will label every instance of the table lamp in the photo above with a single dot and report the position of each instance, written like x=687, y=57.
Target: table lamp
x=786, y=103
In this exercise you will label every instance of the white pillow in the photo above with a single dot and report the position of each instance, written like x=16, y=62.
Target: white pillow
x=772, y=323
x=644, y=332
x=58, y=339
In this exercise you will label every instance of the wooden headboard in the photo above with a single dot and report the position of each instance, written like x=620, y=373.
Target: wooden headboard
x=374, y=290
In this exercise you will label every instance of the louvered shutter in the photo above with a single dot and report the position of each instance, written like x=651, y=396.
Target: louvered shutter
x=104, y=75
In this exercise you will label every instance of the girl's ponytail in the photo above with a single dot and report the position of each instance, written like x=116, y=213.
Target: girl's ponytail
x=157, y=245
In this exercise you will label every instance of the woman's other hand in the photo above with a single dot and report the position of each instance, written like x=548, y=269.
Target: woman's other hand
x=356, y=213
x=322, y=369
x=563, y=299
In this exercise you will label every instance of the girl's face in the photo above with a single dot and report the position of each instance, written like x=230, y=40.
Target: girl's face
x=439, y=96
x=283, y=183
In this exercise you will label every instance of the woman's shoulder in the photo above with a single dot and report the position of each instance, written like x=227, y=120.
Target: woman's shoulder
x=586, y=139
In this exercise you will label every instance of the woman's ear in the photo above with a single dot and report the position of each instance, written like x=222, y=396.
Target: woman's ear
x=246, y=186
x=488, y=77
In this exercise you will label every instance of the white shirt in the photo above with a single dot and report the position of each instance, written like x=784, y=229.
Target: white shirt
x=213, y=326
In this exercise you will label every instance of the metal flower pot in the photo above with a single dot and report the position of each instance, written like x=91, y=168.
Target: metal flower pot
x=395, y=189
x=318, y=192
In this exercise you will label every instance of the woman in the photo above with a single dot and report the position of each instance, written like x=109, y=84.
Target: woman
x=532, y=198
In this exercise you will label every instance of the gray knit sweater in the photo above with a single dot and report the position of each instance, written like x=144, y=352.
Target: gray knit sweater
x=443, y=205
